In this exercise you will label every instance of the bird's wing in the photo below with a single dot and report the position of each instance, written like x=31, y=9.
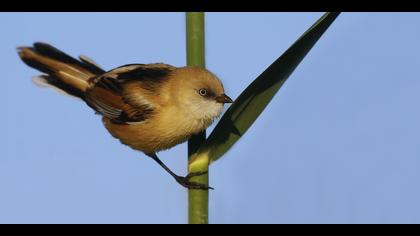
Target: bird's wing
x=123, y=94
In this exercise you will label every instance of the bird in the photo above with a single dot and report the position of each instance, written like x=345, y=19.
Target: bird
x=148, y=107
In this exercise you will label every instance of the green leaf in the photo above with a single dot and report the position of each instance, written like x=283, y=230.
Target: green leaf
x=249, y=105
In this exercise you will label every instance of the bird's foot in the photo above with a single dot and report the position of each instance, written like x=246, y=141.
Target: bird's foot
x=185, y=181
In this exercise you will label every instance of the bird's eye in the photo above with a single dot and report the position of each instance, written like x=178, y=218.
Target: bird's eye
x=202, y=92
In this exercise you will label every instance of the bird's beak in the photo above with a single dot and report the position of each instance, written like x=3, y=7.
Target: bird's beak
x=224, y=99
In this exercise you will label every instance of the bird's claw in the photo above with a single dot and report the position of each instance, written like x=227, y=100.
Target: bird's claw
x=185, y=181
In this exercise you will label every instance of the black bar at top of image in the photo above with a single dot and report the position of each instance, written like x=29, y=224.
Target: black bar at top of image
x=211, y=5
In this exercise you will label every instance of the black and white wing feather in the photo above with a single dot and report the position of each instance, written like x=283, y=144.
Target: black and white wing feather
x=123, y=94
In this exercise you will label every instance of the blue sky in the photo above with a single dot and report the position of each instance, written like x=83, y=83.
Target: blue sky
x=340, y=142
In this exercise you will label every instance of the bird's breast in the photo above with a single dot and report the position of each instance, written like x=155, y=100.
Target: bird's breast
x=162, y=131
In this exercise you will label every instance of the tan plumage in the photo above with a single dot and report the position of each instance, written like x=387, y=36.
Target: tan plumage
x=172, y=121
x=149, y=107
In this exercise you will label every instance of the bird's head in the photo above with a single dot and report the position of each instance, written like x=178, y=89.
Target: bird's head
x=199, y=93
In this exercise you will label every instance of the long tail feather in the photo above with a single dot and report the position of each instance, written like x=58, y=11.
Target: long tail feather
x=64, y=72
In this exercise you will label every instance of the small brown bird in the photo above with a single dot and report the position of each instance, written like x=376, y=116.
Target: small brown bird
x=149, y=107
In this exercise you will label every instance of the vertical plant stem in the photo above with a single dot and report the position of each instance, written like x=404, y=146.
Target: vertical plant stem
x=197, y=199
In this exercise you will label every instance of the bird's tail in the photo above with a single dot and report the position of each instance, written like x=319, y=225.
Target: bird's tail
x=64, y=72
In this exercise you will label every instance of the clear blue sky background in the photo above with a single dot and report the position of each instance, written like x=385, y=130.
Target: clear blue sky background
x=340, y=142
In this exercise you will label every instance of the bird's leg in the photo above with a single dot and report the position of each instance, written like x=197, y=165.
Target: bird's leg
x=184, y=181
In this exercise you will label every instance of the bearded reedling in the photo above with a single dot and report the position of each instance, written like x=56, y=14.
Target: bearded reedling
x=149, y=107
